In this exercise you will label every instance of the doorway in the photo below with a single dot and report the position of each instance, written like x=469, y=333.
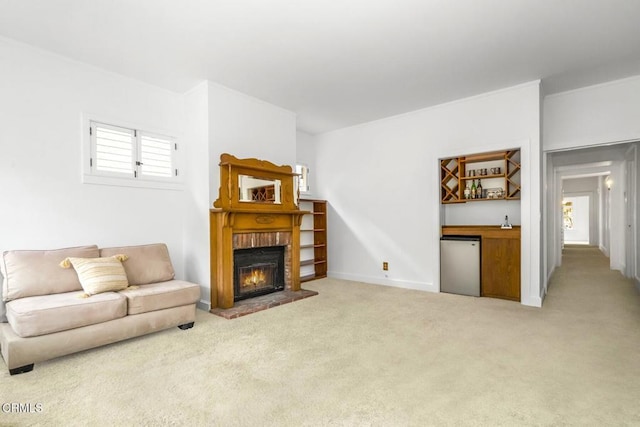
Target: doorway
x=631, y=215
x=576, y=220
x=614, y=202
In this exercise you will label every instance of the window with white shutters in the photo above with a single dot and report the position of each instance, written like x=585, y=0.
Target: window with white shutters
x=114, y=149
x=156, y=155
x=124, y=153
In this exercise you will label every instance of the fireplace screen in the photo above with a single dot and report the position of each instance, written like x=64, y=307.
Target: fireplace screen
x=258, y=271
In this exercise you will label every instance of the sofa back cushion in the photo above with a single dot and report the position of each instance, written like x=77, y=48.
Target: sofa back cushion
x=146, y=263
x=32, y=273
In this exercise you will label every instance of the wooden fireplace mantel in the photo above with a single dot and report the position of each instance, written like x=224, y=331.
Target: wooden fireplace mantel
x=232, y=217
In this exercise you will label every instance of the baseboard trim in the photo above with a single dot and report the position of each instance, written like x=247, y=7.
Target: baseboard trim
x=535, y=301
x=620, y=267
x=385, y=281
x=545, y=287
x=203, y=305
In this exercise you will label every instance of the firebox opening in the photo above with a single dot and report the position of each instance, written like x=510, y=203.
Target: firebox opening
x=258, y=271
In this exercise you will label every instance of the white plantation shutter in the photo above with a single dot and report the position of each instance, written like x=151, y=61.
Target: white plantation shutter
x=113, y=149
x=123, y=153
x=156, y=154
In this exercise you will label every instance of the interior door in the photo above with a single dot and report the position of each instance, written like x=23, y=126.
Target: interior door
x=630, y=214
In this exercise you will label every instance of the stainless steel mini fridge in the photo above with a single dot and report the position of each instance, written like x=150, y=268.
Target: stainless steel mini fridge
x=460, y=265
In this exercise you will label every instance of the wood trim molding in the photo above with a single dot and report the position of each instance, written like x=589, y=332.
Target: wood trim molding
x=481, y=230
x=231, y=167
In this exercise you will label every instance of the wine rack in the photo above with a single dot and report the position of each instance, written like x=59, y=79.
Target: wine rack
x=456, y=172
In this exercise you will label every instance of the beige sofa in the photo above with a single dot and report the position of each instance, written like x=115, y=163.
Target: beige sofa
x=46, y=313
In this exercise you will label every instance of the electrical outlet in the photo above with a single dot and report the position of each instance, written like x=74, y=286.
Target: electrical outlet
x=385, y=265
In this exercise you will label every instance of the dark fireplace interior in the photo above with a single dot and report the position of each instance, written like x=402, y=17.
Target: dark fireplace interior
x=257, y=271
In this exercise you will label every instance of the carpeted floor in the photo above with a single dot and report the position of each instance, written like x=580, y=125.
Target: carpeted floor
x=361, y=354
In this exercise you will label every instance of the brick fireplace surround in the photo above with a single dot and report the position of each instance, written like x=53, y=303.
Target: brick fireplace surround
x=266, y=239
x=253, y=230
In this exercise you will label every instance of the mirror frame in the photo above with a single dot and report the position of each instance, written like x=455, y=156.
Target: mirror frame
x=229, y=192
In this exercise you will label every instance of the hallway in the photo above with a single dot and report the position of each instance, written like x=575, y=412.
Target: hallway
x=585, y=285
x=595, y=312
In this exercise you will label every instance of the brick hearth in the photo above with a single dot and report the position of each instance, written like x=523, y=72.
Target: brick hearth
x=253, y=305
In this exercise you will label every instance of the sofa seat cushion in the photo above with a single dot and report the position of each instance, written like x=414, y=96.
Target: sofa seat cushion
x=157, y=296
x=40, y=315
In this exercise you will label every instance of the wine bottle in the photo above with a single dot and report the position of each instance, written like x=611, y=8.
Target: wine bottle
x=467, y=191
x=473, y=189
x=479, y=190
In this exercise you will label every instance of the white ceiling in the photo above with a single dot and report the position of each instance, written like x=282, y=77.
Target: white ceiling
x=337, y=63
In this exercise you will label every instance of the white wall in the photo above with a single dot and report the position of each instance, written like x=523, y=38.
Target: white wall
x=382, y=183
x=580, y=185
x=196, y=204
x=598, y=114
x=44, y=203
x=247, y=127
x=553, y=222
x=637, y=215
x=617, y=223
x=480, y=213
x=605, y=232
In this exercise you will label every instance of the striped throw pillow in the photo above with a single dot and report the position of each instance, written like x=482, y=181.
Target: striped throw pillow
x=99, y=275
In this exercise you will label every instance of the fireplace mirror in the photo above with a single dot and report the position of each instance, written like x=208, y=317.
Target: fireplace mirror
x=258, y=189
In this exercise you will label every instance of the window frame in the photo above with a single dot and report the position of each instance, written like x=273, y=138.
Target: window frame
x=90, y=175
x=304, y=177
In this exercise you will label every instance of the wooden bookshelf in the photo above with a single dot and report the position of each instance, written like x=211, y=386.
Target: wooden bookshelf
x=313, y=240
